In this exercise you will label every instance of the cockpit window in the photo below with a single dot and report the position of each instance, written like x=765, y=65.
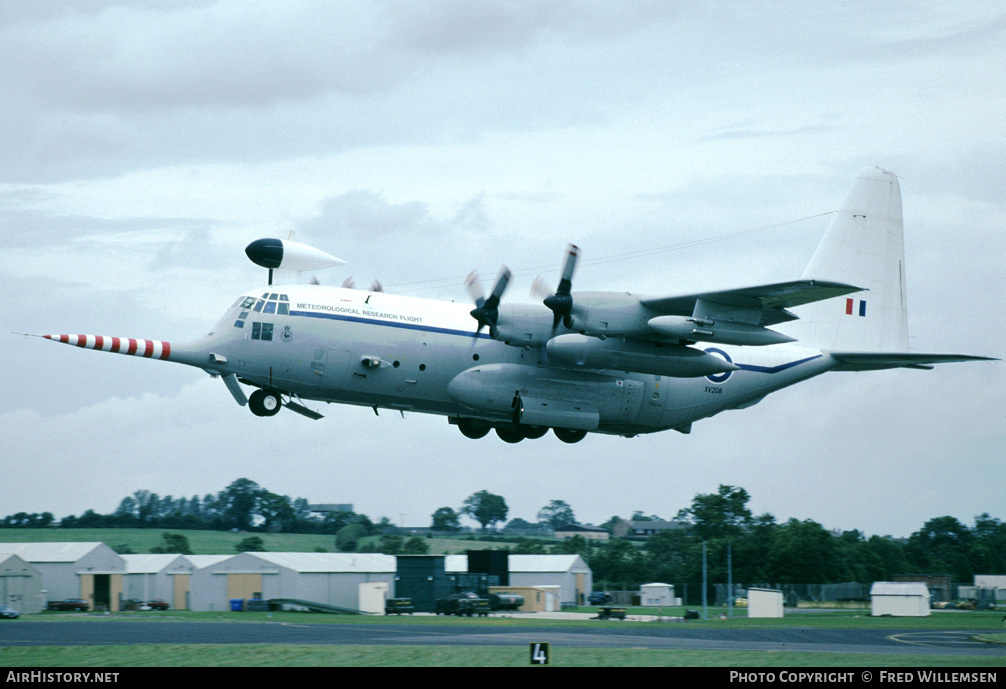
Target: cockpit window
x=247, y=302
x=270, y=307
x=258, y=305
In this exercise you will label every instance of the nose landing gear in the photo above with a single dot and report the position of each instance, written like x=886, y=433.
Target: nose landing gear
x=265, y=402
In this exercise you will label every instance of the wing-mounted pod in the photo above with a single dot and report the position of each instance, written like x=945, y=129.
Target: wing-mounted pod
x=285, y=254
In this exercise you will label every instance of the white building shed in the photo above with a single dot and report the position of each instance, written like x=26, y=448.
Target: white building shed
x=765, y=603
x=20, y=585
x=91, y=571
x=657, y=594
x=899, y=599
x=329, y=578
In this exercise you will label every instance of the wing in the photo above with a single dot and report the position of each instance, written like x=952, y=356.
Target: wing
x=765, y=304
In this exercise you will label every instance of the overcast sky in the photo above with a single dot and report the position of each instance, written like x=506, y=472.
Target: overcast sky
x=143, y=145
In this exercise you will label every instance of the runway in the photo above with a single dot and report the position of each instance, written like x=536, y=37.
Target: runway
x=605, y=635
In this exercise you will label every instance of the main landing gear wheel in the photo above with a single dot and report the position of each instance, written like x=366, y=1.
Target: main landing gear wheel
x=569, y=435
x=470, y=430
x=265, y=403
x=533, y=432
x=509, y=435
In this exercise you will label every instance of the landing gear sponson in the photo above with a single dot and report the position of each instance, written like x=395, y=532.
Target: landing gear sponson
x=513, y=433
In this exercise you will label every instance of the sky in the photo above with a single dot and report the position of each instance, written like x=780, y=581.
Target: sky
x=683, y=146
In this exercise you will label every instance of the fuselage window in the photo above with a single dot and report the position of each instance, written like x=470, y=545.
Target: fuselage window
x=267, y=331
x=256, y=331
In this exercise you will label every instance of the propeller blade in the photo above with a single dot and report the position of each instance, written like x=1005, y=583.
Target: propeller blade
x=348, y=283
x=486, y=311
x=572, y=256
x=376, y=286
x=502, y=282
x=561, y=303
x=539, y=290
x=473, y=283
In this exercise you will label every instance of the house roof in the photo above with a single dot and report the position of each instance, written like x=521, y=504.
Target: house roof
x=580, y=527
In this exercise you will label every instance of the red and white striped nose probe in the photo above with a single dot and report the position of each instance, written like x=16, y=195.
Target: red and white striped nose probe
x=150, y=349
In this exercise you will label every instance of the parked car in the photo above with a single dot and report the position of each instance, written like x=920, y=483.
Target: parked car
x=78, y=604
x=598, y=598
x=464, y=603
x=8, y=613
x=399, y=606
x=156, y=605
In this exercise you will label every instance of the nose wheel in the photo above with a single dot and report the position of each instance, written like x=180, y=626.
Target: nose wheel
x=265, y=402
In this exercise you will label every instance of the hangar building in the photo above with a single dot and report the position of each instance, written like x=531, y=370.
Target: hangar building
x=20, y=585
x=91, y=571
x=569, y=572
x=339, y=579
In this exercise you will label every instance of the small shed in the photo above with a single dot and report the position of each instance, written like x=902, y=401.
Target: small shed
x=20, y=585
x=765, y=603
x=899, y=599
x=657, y=594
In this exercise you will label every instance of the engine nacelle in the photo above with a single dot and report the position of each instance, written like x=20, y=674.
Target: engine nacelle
x=642, y=356
x=716, y=330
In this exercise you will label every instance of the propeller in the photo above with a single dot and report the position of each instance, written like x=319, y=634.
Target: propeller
x=561, y=303
x=349, y=283
x=486, y=311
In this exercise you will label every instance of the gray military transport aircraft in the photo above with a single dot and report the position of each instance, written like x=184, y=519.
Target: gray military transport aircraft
x=579, y=362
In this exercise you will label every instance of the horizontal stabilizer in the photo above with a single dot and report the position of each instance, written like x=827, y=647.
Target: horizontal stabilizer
x=876, y=361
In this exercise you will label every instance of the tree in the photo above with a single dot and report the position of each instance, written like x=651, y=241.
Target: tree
x=446, y=519
x=723, y=514
x=416, y=546
x=485, y=508
x=275, y=510
x=252, y=544
x=804, y=552
x=942, y=546
x=389, y=544
x=557, y=513
x=347, y=539
x=173, y=543
x=239, y=502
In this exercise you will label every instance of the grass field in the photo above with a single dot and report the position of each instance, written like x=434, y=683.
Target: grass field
x=219, y=542
x=254, y=655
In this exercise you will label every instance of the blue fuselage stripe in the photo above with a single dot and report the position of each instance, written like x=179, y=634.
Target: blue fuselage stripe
x=390, y=324
x=780, y=367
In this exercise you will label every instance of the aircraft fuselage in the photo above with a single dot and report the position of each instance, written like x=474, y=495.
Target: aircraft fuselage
x=405, y=353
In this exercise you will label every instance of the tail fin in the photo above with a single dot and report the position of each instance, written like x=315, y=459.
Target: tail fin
x=864, y=246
